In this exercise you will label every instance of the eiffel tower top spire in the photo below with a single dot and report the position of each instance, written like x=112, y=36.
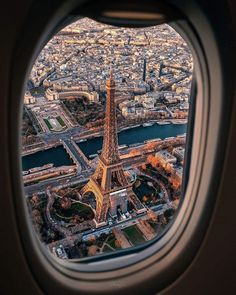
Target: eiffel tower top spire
x=110, y=83
x=110, y=153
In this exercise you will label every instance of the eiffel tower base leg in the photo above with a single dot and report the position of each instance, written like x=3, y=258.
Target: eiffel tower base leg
x=99, y=224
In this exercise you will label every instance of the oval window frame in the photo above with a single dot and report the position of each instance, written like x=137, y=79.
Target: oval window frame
x=200, y=204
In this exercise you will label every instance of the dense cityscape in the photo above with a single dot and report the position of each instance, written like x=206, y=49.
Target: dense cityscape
x=103, y=137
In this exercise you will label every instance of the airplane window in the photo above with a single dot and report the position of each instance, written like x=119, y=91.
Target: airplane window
x=104, y=128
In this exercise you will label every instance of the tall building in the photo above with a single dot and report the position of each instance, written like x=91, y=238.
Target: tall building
x=161, y=66
x=109, y=184
x=28, y=98
x=144, y=69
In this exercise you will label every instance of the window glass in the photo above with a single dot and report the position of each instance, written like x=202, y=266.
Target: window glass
x=104, y=126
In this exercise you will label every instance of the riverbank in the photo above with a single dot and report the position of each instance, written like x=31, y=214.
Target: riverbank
x=139, y=134
x=135, y=135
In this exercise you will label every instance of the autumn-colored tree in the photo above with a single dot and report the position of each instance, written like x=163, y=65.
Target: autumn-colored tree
x=92, y=239
x=153, y=160
x=168, y=167
x=65, y=203
x=145, y=199
x=117, y=243
x=35, y=200
x=92, y=250
x=143, y=167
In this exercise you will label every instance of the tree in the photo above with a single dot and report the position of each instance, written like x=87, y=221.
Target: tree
x=65, y=203
x=117, y=244
x=34, y=200
x=153, y=161
x=92, y=250
x=145, y=199
x=92, y=239
x=143, y=166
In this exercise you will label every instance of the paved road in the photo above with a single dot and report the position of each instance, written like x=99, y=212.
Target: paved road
x=84, y=165
x=59, y=182
x=108, y=228
x=67, y=134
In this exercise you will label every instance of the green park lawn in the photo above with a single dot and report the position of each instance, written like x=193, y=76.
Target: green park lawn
x=61, y=122
x=48, y=123
x=134, y=235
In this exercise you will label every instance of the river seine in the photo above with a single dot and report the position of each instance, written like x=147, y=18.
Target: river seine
x=58, y=156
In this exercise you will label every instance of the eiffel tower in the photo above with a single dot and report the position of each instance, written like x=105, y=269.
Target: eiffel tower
x=109, y=184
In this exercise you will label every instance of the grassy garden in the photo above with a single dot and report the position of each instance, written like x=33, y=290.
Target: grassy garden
x=134, y=235
x=48, y=124
x=82, y=211
x=61, y=122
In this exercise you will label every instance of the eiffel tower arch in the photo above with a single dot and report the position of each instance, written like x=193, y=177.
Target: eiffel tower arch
x=109, y=183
